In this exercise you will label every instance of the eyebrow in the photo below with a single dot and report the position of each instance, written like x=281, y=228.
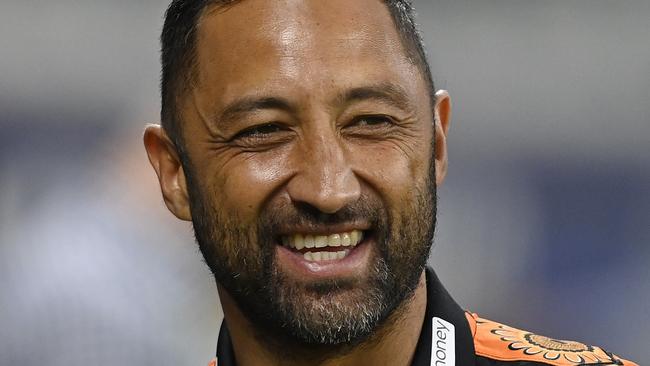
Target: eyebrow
x=252, y=104
x=385, y=92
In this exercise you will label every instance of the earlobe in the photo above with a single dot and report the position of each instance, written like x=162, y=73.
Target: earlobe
x=165, y=161
x=442, y=116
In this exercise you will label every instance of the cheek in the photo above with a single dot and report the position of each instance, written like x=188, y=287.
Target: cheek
x=245, y=185
x=394, y=172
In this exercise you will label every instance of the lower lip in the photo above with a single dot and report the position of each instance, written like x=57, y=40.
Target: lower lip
x=353, y=264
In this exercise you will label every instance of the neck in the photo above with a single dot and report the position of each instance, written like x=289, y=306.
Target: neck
x=392, y=344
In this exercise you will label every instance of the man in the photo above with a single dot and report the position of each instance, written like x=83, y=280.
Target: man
x=305, y=142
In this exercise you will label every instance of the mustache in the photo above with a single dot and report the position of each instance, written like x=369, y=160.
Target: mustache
x=366, y=211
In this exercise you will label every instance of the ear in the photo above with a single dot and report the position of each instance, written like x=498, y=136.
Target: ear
x=165, y=161
x=442, y=115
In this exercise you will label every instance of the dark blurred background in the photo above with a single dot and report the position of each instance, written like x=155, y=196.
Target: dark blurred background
x=544, y=220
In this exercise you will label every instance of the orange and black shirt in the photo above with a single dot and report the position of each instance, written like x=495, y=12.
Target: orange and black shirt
x=453, y=337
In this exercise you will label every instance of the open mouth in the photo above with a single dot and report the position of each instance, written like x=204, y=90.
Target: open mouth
x=318, y=248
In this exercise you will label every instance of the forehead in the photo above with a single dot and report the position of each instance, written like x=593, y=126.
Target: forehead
x=303, y=44
x=299, y=22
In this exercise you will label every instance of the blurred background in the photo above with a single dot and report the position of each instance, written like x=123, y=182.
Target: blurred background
x=544, y=220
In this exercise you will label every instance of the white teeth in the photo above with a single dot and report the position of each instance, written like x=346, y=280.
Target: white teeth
x=309, y=241
x=325, y=256
x=334, y=240
x=299, y=241
x=354, y=236
x=320, y=241
x=345, y=239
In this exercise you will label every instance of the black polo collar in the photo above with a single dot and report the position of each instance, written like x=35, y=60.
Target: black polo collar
x=441, y=311
x=443, y=318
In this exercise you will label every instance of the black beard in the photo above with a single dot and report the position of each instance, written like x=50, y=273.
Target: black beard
x=340, y=313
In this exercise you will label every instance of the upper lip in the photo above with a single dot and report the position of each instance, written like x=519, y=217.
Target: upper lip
x=324, y=229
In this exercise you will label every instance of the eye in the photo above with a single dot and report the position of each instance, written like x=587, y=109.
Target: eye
x=265, y=135
x=372, y=120
x=259, y=130
x=370, y=126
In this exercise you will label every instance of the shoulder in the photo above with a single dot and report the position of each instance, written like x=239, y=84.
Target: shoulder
x=500, y=342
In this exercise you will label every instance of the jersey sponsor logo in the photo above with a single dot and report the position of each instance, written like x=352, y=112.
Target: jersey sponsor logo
x=443, y=343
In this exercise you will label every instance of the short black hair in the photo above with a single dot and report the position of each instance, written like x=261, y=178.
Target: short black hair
x=178, y=56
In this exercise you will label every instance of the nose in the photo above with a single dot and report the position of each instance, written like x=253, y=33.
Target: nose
x=325, y=180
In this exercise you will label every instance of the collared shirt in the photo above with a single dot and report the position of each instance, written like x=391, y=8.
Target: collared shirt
x=451, y=336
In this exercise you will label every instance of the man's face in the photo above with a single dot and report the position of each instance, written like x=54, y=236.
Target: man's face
x=309, y=164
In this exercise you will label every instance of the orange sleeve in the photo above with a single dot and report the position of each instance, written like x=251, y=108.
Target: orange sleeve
x=501, y=342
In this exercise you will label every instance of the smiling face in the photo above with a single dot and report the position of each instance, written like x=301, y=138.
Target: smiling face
x=310, y=177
